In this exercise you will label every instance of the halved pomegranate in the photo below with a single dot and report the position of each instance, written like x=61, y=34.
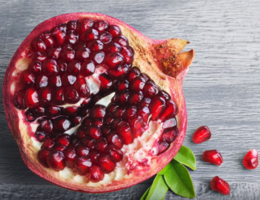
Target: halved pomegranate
x=94, y=105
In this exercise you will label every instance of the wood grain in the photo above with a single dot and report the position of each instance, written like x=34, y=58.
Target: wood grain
x=222, y=88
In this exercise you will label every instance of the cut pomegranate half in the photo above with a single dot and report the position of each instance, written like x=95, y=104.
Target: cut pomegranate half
x=94, y=105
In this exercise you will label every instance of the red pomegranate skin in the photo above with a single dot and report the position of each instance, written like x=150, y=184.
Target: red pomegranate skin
x=153, y=57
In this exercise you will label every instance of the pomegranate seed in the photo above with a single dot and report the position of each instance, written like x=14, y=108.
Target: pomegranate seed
x=118, y=112
x=108, y=118
x=58, y=35
x=121, y=97
x=98, y=121
x=40, y=135
x=98, y=111
x=144, y=113
x=89, y=35
x=169, y=111
x=105, y=82
x=87, y=68
x=137, y=83
x=70, y=110
x=70, y=156
x=29, y=115
x=36, y=67
x=54, y=52
x=31, y=98
x=61, y=124
x=50, y=67
x=68, y=79
x=81, y=150
x=89, y=142
x=135, y=97
x=56, y=160
x=71, y=95
x=119, y=71
x=115, y=123
x=71, y=37
x=115, y=154
x=114, y=30
x=169, y=135
x=212, y=156
x=42, y=156
x=58, y=96
x=169, y=123
x=83, y=53
x=64, y=139
x=113, y=59
x=145, y=102
x=63, y=66
x=122, y=40
x=67, y=54
x=137, y=124
x=39, y=56
x=162, y=147
x=45, y=125
x=121, y=85
x=28, y=78
x=94, y=157
x=113, y=47
x=100, y=25
x=101, y=145
x=96, y=174
x=48, y=143
x=220, y=185
x=52, y=111
x=58, y=147
x=94, y=132
x=45, y=95
x=72, y=25
x=38, y=45
x=84, y=24
x=130, y=112
x=82, y=165
x=81, y=132
x=106, y=130
x=19, y=99
x=98, y=57
x=150, y=89
x=75, y=120
x=95, y=45
x=127, y=54
x=55, y=81
x=87, y=122
x=156, y=107
x=202, y=134
x=250, y=160
x=105, y=37
x=124, y=132
x=41, y=81
x=106, y=163
x=74, y=67
x=47, y=39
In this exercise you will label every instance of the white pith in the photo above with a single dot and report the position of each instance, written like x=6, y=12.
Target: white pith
x=137, y=154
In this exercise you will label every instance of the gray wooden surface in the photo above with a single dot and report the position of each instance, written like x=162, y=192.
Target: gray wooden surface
x=222, y=88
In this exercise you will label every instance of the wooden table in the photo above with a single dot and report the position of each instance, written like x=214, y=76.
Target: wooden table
x=222, y=88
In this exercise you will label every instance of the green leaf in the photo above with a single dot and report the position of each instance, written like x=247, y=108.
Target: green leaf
x=145, y=194
x=186, y=157
x=162, y=172
x=179, y=181
x=158, y=189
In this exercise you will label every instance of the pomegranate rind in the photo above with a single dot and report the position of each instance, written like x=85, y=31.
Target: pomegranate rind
x=144, y=59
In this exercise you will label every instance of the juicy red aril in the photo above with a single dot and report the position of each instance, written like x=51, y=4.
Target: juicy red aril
x=156, y=107
x=96, y=174
x=113, y=59
x=105, y=82
x=250, y=160
x=61, y=124
x=113, y=139
x=121, y=85
x=113, y=47
x=56, y=160
x=94, y=157
x=115, y=154
x=29, y=115
x=19, y=99
x=71, y=95
x=145, y=102
x=105, y=37
x=169, y=135
x=101, y=145
x=45, y=95
x=162, y=146
x=48, y=143
x=122, y=40
x=100, y=25
x=135, y=97
x=74, y=67
x=82, y=165
x=72, y=25
x=75, y=120
x=42, y=156
x=72, y=37
x=28, y=78
x=212, y=156
x=130, y=112
x=89, y=35
x=133, y=72
x=41, y=81
x=219, y=185
x=121, y=97
x=39, y=56
x=88, y=142
x=119, y=71
x=118, y=112
x=70, y=156
x=106, y=163
x=150, y=89
x=58, y=96
x=114, y=30
x=84, y=24
x=64, y=139
x=81, y=132
x=50, y=67
x=127, y=54
x=137, y=83
x=55, y=81
x=38, y=111
x=58, y=35
x=98, y=111
x=52, y=111
x=67, y=55
x=81, y=150
x=95, y=45
x=40, y=135
x=68, y=79
x=202, y=134
x=137, y=125
x=98, y=57
x=47, y=39
x=36, y=67
x=98, y=121
x=83, y=53
x=54, y=52
x=144, y=113
x=45, y=125
x=169, y=111
x=94, y=132
x=87, y=68
x=58, y=147
x=38, y=45
x=125, y=133
x=31, y=98
x=70, y=110
x=169, y=123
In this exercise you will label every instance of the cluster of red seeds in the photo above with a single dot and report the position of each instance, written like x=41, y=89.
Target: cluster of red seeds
x=64, y=57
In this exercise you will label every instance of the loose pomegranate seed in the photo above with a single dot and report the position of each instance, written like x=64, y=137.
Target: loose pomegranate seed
x=96, y=174
x=202, y=134
x=250, y=160
x=212, y=156
x=220, y=185
x=56, y=160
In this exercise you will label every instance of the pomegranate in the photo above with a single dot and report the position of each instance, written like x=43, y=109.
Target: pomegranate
x=94, y=105
x=202, y=134
x=220, y=185
x=212, y=156
x=250, y=160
